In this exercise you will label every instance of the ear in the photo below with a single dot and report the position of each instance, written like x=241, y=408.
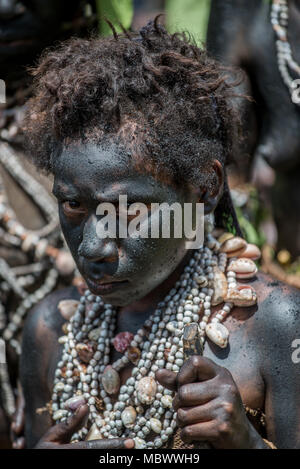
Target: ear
x=211, y=199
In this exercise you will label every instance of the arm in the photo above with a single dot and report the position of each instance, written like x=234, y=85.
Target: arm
x=227, y=41
x=209, y=406
x=208, y=402
x=39, y=341
x=240, y=34
x=227, y=29
x=280, y=373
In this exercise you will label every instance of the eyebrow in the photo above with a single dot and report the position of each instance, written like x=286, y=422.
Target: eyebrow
x=59, y=191
x=62, y=191
x=131, y=198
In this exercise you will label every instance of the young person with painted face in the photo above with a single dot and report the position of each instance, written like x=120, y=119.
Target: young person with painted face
x=147, y=116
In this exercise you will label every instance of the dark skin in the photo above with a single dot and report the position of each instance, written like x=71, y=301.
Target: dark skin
x=18, y=422
x=209, y=390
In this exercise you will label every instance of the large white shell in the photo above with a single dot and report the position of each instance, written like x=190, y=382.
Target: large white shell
x=233, y=246
x=94, y=433
x=243, y=267
x=252, y=252
x=243, y=295
x=224, y=236
x=217, y=333
x=220, y=287
x=128, y=417
x=67, y=308
x=146, y=390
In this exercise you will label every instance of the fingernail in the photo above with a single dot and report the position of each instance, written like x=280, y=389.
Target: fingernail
x=74, y=403
x=78, y=409
x=70, y=419
x=129, y=444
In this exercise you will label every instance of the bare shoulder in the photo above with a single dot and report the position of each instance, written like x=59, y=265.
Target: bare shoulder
x=40, y=354
x=275, y=324
x=45, y=318
x=39, y=344
x=276, y=329
x=278, y=303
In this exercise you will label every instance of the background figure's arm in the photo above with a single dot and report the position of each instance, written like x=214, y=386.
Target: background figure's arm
x=228, y=29
x=227, y=41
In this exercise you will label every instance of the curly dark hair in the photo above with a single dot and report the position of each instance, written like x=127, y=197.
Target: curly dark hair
x=160, y=96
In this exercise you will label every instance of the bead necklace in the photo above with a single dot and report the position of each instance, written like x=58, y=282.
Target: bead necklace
x=36, y=243
x=286, y=62
x=40, y=277
x=43, y=245
x=143, y=410
x=33, y=188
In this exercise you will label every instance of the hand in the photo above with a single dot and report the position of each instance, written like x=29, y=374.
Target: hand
x=209, y=406
x=59, y=436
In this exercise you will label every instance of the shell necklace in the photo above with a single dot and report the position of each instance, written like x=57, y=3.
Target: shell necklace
x=143, y=410
x=286, y=62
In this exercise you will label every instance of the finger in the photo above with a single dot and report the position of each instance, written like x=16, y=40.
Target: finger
x=195, y=394
x=19, y=416
x=167, y=379
x=189, y=415
x=19, y=443
x=112, y=443
x=197, y=368
x=206, y=431
x=18, y=423
x=62, y=432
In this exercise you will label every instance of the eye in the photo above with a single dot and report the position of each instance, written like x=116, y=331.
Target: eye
x=73, y=209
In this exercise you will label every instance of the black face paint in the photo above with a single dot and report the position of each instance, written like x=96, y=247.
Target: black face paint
x=86, y=175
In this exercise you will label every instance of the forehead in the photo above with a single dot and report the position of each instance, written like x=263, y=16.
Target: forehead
x=96, y=171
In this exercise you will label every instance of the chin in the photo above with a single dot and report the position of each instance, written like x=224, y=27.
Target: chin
x=117, y=296
x=122, y=299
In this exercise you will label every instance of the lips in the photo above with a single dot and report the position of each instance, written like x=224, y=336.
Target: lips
x=104, y=287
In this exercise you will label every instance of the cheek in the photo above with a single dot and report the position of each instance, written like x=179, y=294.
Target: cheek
x=151, y=258
x=72, y=234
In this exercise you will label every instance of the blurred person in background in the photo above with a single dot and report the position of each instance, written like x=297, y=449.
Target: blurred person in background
x=263, y=38
x=26, y=208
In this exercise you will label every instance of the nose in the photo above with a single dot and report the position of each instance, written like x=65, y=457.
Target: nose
x=95, y=249
x=10, y=9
